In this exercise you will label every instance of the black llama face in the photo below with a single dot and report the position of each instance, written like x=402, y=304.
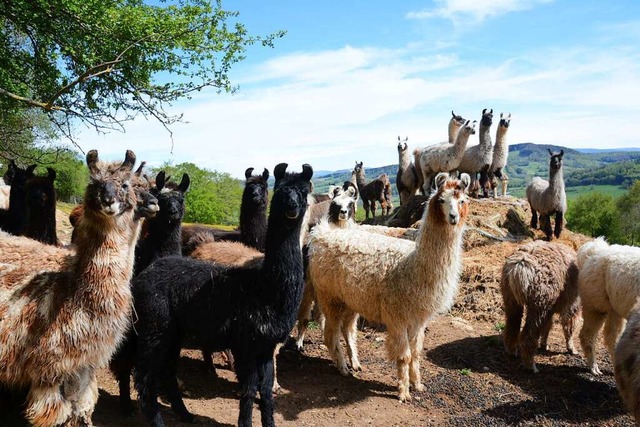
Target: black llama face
x=487, y=117
x=505, y=120
x=290, y=192
x=358, y=169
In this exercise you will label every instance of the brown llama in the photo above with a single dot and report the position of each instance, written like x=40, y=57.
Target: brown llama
x=543, y=277
x=372, y=192
x=57, y=327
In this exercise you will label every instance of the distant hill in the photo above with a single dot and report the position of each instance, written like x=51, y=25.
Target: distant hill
x=606, y=150
x=581, y=167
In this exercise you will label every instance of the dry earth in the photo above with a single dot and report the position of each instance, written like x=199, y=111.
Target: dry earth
x=469, y=379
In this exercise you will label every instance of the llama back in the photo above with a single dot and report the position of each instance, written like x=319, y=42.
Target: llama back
x=598, y=246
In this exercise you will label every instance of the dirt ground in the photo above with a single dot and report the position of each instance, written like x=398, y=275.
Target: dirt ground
x=469, y=380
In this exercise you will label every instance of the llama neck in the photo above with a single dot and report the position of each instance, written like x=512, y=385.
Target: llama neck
x=556, y=179
x=41, y=226
x=360, y=181
x=17, y=211
x=485, y=136
x=253, y=226
x=461, y=143
x=404, y=160
x=500, y=148
x=160, y=240
x=454, y=127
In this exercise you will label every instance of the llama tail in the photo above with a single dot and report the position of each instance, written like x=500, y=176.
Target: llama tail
x=519, y=273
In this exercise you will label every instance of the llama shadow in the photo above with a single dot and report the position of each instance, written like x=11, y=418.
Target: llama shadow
x=107, y=413
x=314, y=382
x=567, y=393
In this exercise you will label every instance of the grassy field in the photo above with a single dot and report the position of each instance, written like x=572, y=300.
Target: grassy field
x=574, y=192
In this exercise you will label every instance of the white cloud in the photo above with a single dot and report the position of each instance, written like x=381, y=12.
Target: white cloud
x=478, y=10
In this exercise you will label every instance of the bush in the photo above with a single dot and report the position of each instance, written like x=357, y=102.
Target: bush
x=595, y=214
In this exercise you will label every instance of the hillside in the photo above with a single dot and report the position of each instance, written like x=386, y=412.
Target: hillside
x=615, y=167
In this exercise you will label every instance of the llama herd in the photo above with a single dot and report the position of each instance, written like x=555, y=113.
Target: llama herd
x=136, y=285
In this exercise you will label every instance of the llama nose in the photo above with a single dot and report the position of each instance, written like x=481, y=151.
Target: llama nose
x=108, y=199
x=453, y=218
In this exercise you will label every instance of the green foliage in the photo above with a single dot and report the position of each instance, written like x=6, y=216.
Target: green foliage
x=629, y=208
x=595, y=214
x=465, y=371
x=106, y=62
x=213, y=197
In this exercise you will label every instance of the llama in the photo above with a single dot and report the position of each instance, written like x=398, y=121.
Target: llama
x=59, y=326
x=397, y=282
x=455, y=123
x=407, y=178
x=478, y=159
x=246, y=309
x=14, y=219
x=253, y=217
x=543, y=277
x=371, y=192
x=41, y=208
x=627, y=364
x=548, y=197
x=609, y=287
x=341, y=214
x=500, y=149
x=444, y=157
x=5, y=191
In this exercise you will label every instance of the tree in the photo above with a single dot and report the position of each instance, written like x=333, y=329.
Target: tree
x=213, y=197
x=595, y=214
x=105, y=62
x=629, y=208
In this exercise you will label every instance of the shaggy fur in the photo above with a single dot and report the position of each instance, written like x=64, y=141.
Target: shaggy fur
x=478, y=159
x=407, y=178
x=548, y=197
x=246, y=309
x=41, y=208
x=609, y=287
x=57, y=327
x=392, y=281
x=14, y=219
x=372, y=192
x=543, y=277
x=500, y=149
x=627, y=364
x=444, y=157
x=455, y=123
x=5, y=191
x=253, y=218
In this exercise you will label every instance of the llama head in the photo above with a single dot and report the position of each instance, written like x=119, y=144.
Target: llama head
x=402, y=144
x=487, y=117
x=555, y=161
x=110, y=191
x=290, y=191
x=457, y=119
x=470, y=127
x=147, y=203
x=448, y=205
x=170, y=198
x=256, y=188
x=343, y=205
x=40, y=192
x=15, y=176
x=505, y=120
x=359, y=168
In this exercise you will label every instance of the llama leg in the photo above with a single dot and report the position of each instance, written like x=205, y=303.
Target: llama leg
x=147, y=367
x=275, y=384
x=483, y=183
x=545, y=330
x=170, y=383
x=350, y=334
x=534, y=218
x=124, y=387
x=545, y=226
x=613, y=327
x=416, y=343
x=304, y=313
x=568, y=320
x=332, y=329
x=373, y=208
x=365, y=205
x=559, y=225
x=536, y=319
x=513, y=318
x=266, y=375
x=399, y=350
x=45, y=406
x=592, y=323
x=207, y=358
x=248, y=379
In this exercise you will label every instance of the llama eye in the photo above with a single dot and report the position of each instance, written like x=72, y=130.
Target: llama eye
x=125, y=186
x=441, y=201
x=462, y=201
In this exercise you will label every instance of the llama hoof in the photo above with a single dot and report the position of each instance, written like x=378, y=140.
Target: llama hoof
x=572, y=351
x=344, y=371
x=404, y=396
x=357, y=368
x=595, y=370
x=187, y=417
x=418, y=387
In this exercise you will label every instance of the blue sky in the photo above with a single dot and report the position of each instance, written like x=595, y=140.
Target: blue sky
x=350, y=77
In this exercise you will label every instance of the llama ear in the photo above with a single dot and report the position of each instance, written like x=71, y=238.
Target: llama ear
x=248, y=172
x=30, y=170
x=92, y=160
x=550, y=152
x=279, y=171
x=465, y=180
x=161, y=180
x=484, y=110
x=561, y=153
x=129, y=160
x=453, y=115
x=184, y=184
x=351, y=190
x=265, y=174
x=491, y=112
x=307, y=172
x=441, y=178
x=501, y=114
x=399, y=138
x=51, y=175
x=139, y=170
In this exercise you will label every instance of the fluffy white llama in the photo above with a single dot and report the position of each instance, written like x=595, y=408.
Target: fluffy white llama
x=407, y=178
x=609, y=287
x=58, y=326
x=627, y=364
x=444, y=157
x=548, y=197
x=400, y=283
x=500, y=149
x=543, y=277
x=478, y=158
x=455, y=123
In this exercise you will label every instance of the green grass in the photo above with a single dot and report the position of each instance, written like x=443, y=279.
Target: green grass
x=574, y=192
x=499, y=327
x=65, y=207
x=466, y=372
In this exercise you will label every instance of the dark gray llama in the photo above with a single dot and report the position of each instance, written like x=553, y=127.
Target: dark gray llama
x=40, y=197
x=374, y=191
x=14, y=219
x=547, y=198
